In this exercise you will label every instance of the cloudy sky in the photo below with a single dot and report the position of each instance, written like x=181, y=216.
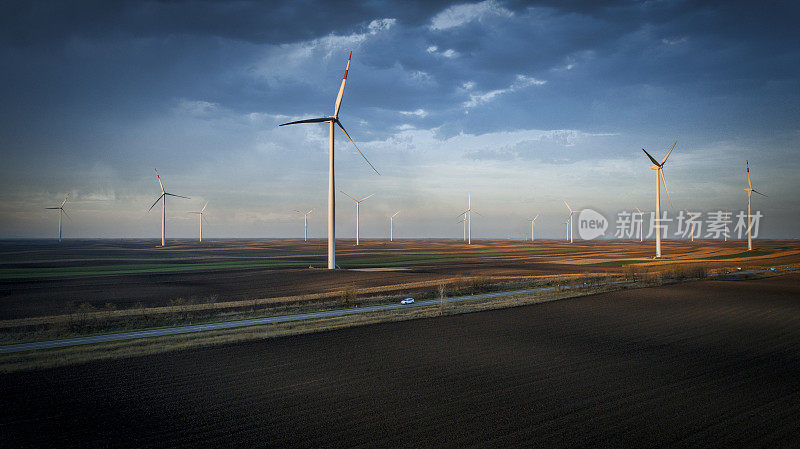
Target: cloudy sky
x=523, y=104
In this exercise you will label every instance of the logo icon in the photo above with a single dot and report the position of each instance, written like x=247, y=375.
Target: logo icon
x=591, y=224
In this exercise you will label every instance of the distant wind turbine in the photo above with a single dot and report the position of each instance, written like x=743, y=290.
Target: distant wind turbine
x=464, y=220
x=660, y=177
x=750, y=190
x=571, y=212
x=391, y=225
x=163, y=199
x=333, y=120
x=468, y=218
x=305, y=223
x=358, y=203
x=201, y=220
x=60, y=211
x=532, y=223
x=641, y=224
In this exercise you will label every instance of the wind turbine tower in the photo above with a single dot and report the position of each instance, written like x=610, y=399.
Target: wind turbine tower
x=163, y=199
x=391, y=225
x=60, y=212
x=660, y=177
x=571, y=212
x=532, y=223
x=749, y=191
x=358, y=202
x=201, y=219
x=305, y=223
x=331, y=121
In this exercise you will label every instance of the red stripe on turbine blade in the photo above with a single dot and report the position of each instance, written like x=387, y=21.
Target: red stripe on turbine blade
x=345, y=73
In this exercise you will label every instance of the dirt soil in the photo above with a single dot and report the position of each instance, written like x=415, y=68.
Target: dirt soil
x=703, y=364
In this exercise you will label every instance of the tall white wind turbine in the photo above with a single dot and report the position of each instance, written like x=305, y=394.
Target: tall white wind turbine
x=200, y=214
x=532, y=223
x=641, y=224
x=60, y=212
x=305, y=223
x=358, y=203
x=391, y=225
x=163, y=199
x=750, y=190
x=571, y=213
x=331, y=121
x=659, y=178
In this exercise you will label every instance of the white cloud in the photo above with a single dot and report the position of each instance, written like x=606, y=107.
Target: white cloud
x=432, y=49
x=458, y=15
x=379, y=25
x=419, y=113
x=520, y=82
x=450, y=53
x=195, y=107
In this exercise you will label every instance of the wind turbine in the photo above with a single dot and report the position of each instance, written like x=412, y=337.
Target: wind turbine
x=750, y=190
x=468, y=218
x=391, y=225
x=60, y=211
x=641, y=224
x=660, y=177
x=331, y=121
x=201, y=220
x=571, y=212
x=566, y=229
x=358, y=202
x=163, y=199
x=305, y=223
x=464, y=220
x=532, y=223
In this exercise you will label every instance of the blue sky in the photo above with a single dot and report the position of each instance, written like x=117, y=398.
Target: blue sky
x=523, y=104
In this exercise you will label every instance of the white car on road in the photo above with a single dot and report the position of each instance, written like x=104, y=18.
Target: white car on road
x=407, y=301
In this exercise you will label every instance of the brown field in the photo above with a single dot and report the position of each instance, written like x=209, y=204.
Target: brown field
x=40, y=278
x=702, y=364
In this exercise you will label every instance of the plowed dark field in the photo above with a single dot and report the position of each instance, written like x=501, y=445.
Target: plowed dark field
x=704, y=364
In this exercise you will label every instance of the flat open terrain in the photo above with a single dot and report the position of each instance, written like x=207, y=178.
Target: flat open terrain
x=39, y=278
x=707, y=364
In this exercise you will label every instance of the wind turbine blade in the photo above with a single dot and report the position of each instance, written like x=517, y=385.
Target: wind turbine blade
x=747, y=164
x=204, y=218
x=638, y=210
x=651, y=157
x=310, y=120
x=668, y=152
x=341, y=89
x=52, y=208
x=204, y=207
x=534, y=218
x=312, y=210
x=154, y=204
x=159, y=181
x=395, y=214
x=354, y=144
x=196, y=213
x=367, y=197
x=65, y=200
x=299, y=212
x=66, y=214
x=179, y=196
x=462, y=213
x=570, y=209
x=349, y=196
x=665, y=187
x=477, y=213
x=756, y=191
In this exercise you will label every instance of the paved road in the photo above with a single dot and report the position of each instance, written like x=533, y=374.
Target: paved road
x=120, y=336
